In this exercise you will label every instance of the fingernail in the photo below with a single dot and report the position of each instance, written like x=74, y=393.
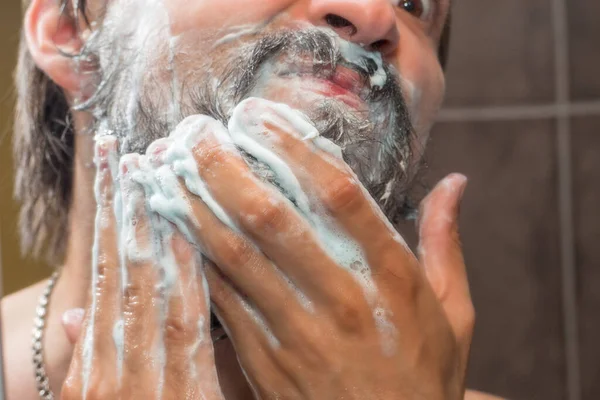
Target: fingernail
x=128, y=163
x=156, y=152
x=461, y=184
x=105, y=148
x=456, y=183
x=73, y=316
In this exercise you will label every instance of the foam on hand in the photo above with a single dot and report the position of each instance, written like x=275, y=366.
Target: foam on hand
x=248, y=131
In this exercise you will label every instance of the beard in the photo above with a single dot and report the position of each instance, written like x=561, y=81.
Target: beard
x=141, y=95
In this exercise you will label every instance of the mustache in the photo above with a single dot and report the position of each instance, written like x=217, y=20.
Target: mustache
x=377, y=146
x=322, y=50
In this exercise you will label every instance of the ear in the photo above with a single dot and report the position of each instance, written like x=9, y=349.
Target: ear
x=52, y=35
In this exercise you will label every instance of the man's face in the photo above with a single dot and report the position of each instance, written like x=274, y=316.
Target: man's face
x=365, y=72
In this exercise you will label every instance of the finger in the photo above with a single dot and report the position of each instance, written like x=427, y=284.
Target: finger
x=243, y=324
x=441, y=254
x=106, y=279
x=256, y=348
x=241, y=261
x=72, y=322
x=72, y=387
x=140, y=299
x=95, y=355
x=329, y=183
x=187, y=327
x=265, y=216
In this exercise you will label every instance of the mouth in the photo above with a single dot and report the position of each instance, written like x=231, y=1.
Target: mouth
x=343, y=83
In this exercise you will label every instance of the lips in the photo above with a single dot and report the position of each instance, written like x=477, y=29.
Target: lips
x=332, y=89
x=344, y=83
x=348, y=80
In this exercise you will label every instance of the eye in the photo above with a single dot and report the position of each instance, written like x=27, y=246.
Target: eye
x=418, y=8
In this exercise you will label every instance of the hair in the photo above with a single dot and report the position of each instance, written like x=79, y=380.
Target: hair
x=43, y=147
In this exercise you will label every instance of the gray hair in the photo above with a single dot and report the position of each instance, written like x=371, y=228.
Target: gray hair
x=43, y=148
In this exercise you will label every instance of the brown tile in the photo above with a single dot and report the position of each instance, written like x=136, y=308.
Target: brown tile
x=511, y=242
x=584, y=32
x=586, y=175
x=501, y=53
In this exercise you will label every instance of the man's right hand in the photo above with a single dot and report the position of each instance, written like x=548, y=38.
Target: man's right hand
x=141, y=340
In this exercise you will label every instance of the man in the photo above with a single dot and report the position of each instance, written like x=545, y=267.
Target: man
x=358, y=80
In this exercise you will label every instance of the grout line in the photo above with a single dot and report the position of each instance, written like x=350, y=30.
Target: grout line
x=565, y=201
x=568, y=263
x=525, y=112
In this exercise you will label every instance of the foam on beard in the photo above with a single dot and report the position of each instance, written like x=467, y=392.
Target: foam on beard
x=154, y=80
x=140, y=30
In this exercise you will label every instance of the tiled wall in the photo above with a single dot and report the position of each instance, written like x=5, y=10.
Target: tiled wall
x=521, y=121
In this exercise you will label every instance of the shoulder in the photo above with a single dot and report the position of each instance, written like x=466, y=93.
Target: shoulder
x=18, y=312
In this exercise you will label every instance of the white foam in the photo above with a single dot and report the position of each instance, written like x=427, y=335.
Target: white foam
x=179, y=155
x=248, y=130
x=359, y=56
x=118, y=335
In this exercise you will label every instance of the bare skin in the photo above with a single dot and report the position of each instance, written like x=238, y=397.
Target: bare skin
x=444, y=277
x=47, y=39
x=428, y=298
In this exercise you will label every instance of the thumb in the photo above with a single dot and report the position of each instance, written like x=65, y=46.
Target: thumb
x=72, y=321
x=441, y=255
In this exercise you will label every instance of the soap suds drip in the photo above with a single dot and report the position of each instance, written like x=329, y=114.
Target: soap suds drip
x=369, y=61
x=118, y=339
x=88, y=341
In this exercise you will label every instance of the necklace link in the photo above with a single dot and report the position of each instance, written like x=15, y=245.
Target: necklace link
x=37, y=345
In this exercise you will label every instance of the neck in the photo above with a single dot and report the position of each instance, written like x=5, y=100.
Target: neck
x=72, y=288
x=78, y=258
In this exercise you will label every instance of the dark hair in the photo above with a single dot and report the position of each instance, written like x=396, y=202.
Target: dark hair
x=43, y=147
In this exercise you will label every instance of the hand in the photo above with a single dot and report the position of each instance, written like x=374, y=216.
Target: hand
x=321, y=297
x=146, y=334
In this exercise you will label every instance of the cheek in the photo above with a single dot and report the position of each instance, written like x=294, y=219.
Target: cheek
x=186, y=15
x=423, y=83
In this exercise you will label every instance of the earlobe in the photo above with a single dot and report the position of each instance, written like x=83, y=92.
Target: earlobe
x=52, y=36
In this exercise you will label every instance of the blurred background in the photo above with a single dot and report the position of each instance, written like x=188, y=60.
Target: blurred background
x=521, y=121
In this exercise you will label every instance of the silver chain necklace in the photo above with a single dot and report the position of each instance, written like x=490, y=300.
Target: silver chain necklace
x=39, y=323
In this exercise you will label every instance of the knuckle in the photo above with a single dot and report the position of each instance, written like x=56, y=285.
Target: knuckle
x=180, y=330
x=103, y=266
x=209, y=154
x=264, y=215
x=350, y=314
x=106, y=273
x=342, y=194
x=132, y=297
x=238, y=253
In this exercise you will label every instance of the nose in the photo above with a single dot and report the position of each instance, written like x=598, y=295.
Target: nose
x=370, y=23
